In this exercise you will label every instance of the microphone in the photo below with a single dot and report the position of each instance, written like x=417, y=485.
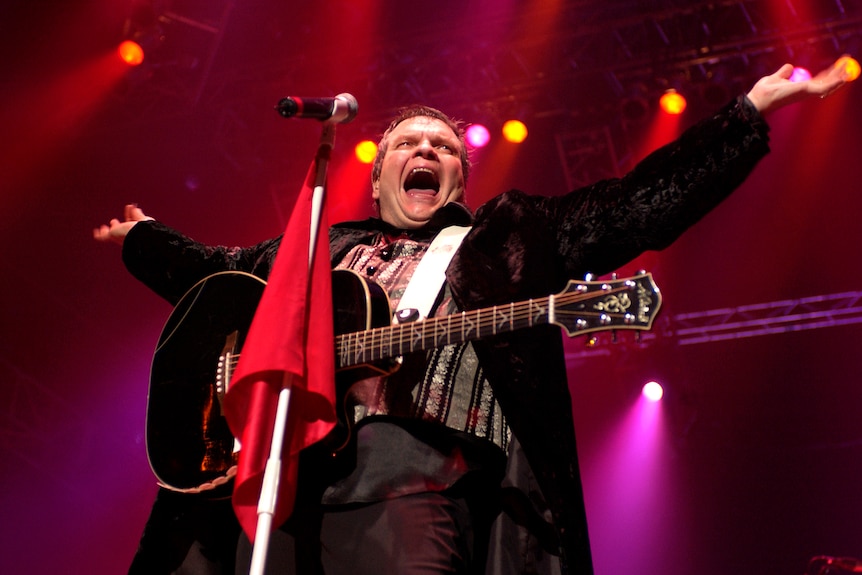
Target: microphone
x=338, y=110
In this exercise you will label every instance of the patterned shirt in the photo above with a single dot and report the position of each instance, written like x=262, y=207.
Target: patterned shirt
x=453, y=389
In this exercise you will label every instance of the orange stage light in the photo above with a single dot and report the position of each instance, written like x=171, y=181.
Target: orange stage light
x=131, y=53
x=365, y=151
x=672, y=102
x=850, y=65
x=515, y=131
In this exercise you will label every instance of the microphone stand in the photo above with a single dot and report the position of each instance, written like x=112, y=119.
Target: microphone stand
x=272, y=472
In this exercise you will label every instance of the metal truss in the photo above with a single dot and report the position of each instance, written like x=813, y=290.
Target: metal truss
x=722, y=324
x=767, y=319
x=575, y=77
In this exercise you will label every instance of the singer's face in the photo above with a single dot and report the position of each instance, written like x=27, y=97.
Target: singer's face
x=421, y=172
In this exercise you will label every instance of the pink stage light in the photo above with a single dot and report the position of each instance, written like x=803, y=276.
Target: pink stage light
x=653, y=391
x=800, y=75
x=478, y=136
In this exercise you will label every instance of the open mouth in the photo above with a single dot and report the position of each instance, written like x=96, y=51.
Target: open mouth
x=422, y=180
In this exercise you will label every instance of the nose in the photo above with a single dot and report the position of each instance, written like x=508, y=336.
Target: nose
x=425, y=149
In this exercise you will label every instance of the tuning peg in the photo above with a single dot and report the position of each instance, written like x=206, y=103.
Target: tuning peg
x=589, y=276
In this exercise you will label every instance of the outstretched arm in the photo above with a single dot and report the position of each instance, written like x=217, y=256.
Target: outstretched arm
x=776, y=90
x=116, y=230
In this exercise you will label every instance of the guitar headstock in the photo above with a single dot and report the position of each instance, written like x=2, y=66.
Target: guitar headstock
x=587, y=306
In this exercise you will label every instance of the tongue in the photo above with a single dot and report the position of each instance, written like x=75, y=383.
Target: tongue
x=428, y=191
x=421, y=182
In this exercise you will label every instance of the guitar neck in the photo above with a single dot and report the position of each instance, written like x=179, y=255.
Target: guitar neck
x=582, y=307
x=380, y=343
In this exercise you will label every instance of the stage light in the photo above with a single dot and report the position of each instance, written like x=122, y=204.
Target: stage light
x=653, y=391
x=850, y=65
x=672, y=102
x=365, y=151
x=478, y=136
x=131, y=53
x=515, y=131
x=800, y=74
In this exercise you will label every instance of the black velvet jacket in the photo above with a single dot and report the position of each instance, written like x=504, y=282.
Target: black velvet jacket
x=524, y=246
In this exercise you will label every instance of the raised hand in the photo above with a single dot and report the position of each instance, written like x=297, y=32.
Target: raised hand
x=116, y=230
x=776, y=90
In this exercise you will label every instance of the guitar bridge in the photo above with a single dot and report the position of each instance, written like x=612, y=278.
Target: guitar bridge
x=218, y=442
x=224, y=370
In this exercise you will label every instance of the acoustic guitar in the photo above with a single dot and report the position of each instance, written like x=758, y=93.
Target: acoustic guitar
x=189, y=445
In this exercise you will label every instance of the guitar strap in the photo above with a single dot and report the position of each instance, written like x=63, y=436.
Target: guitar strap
x=429, y=275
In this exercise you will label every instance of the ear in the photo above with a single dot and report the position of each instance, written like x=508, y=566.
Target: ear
x=375, y=189
x=461, y=193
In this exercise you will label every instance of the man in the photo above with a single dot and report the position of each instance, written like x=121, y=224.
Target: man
x=464, y=459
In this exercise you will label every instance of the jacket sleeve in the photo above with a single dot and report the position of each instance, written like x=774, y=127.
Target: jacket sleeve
x=170, y=263
x=603, y=226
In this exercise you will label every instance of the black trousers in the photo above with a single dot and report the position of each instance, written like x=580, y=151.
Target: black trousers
x=425, y=533
x=187, y=534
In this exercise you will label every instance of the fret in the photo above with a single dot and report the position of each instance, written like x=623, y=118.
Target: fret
x=389, y=353
x=537, y=312
x=376, y=347
x=379, y=334
x=440, y=333
x=369, y=344
x=348, y=348
x=469, y=325
x=501, y=318
x=345, y=350
x=417, y=330
x=360, y=347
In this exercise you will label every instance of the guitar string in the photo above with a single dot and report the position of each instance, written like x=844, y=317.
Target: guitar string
x=521, y=311
x=349, y=344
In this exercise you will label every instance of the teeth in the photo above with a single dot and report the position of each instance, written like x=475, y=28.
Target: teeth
x=422, y=177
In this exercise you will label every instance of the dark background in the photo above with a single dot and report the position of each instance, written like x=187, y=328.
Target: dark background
x=752, y=462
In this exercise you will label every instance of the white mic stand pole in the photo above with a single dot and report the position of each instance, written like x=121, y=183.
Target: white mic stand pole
x=272, y=472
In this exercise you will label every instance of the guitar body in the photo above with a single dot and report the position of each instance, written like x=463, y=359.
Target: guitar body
x=189, y=445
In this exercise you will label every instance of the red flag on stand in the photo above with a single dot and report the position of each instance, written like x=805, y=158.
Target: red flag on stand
x=290, y=343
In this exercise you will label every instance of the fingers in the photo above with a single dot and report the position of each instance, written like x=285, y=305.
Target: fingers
x=129, y=211
x=785, y=72
x=103, y=232
x=116, y=230
x=831, y=79
x=133, y=213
